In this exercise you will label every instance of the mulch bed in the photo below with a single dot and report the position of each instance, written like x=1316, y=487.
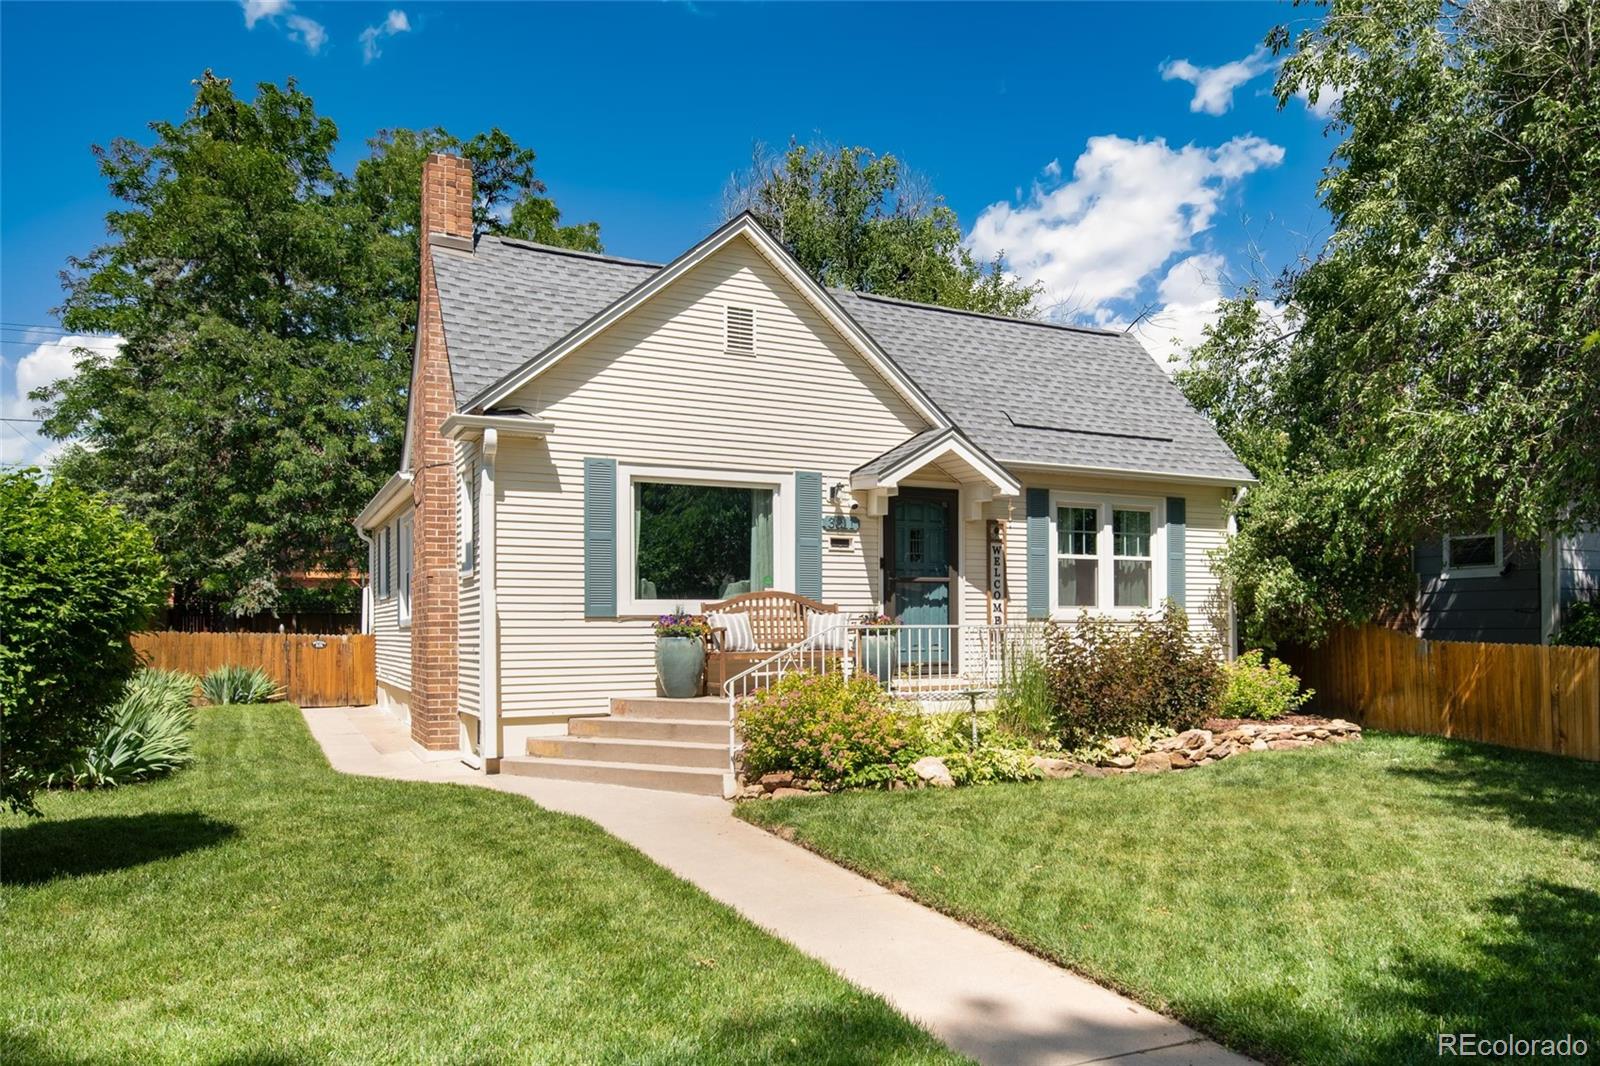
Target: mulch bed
x=1218, y=725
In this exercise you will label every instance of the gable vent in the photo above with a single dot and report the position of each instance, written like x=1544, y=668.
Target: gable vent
x=739, y=329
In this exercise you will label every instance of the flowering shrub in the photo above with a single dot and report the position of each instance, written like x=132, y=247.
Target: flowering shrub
x=877, y=623
x=681, y=624
x=1122, y=678
x=998, y=755
x=1257, y=689
x=824, y=728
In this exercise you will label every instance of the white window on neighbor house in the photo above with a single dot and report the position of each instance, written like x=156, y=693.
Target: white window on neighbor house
x=1106, y=554
x=403, y=585
x=690, y=537
x=1473, y=554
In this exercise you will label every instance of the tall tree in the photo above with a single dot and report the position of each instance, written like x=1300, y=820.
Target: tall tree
x=861, y=221
x=267, y=305
x=1441, y=366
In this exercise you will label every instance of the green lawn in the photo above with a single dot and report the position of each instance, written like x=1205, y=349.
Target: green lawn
x=1332, y=905
x=260, y=908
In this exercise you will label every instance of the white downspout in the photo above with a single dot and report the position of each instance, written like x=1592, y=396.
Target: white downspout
x=488, y=611
x=366, y=586
x=1233, y=610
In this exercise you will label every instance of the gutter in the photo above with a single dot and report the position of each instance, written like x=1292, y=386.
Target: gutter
x=488, y=610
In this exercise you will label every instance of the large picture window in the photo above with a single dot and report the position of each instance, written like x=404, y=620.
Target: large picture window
x=1106, y=552
x=694, y=542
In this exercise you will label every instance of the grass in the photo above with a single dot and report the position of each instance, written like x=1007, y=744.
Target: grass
x=260, y=908
x=1342, y=904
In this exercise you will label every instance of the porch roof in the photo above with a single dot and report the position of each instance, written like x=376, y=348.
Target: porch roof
x=964, y=459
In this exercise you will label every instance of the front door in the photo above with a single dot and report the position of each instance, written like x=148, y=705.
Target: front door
x=922, y=537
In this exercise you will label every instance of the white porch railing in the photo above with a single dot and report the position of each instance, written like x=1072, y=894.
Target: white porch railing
x=931, y=665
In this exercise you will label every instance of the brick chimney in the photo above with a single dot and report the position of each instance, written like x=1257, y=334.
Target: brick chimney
x=435, y=575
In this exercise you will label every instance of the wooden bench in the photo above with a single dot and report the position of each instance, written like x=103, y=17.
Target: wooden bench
x=777, y=619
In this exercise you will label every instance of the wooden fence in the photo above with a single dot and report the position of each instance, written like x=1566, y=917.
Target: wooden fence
x=1518, y=695
x=315, y=671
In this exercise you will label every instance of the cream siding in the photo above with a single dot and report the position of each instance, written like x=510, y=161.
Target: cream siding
x=392, y=642
x=467, y=600
x=1206, y=529
x=658, y=389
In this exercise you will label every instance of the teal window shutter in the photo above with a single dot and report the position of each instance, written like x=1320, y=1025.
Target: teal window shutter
x=600, y=538
x=808, y=533
x=1038, y=553
x=1177, y=539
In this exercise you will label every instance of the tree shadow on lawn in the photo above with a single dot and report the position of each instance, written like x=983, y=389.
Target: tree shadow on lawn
x=35, y=1051
x=49, y=849
x=858, y=1030
x=1530, y=970
x=1553, y=793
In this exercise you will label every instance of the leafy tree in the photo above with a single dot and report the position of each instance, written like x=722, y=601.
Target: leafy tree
x=857, y=220
x=1440, y=364
x=267, y=304
x=76, y=577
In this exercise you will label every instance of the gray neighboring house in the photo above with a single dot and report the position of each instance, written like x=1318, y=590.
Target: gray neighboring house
x=1487, y=587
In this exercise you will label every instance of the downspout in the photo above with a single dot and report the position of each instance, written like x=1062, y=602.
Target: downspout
x=1233, y=610
x=488, y=611
x=366, y=586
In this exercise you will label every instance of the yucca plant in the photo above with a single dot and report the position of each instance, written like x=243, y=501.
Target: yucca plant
x=147, y=736
x=239, y=684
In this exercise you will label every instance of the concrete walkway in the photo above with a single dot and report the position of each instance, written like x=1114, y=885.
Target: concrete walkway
x=978, y=994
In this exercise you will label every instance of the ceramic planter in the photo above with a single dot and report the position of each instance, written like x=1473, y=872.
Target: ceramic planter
x=880, y=654
x=680, y=663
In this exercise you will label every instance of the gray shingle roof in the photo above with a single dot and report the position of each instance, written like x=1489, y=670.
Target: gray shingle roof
x=882, y=464
x=1025, y=392
x=510, y=300
x=1030, y=392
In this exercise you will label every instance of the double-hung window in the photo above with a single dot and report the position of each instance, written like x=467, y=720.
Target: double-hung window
x=1105, y=555
x=693, y=538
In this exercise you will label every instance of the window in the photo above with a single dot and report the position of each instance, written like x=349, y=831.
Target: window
x=1131, y=536
x=696, y=542
x=1078, y=556
x=739, y=330
x=403, y=540
x=383, y=563
x=1105, y=555
x=1473, y=553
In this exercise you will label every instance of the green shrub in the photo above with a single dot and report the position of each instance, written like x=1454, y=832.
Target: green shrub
x=1022, y=705
x=826, y=729
x=1123, y=678
x=1254, y=688
x=148, y=734
x=77, y=576
x=239, y=684
x=1581, y=629
x=999, y=754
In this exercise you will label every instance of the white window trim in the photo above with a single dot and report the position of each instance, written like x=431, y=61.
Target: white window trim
x=782, y=486
x=404, y=532
x=1494, y=570
x=1105, y=591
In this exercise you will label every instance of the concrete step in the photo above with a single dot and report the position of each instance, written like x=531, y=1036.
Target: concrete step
x=698, y=708
x=701, y=782
x=643, y=752
x=631, y=728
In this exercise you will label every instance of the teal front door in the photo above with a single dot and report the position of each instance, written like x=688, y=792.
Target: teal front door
x=922, y=531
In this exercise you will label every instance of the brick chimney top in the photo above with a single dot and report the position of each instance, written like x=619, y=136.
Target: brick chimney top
x=446, y=197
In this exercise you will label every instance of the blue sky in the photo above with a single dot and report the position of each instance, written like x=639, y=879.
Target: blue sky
x=1128, y=156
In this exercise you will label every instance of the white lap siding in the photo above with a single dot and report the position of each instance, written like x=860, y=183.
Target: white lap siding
x=658, y=389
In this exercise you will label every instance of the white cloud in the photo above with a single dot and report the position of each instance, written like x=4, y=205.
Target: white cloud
x=256, y=10
x=1052, y=169
x=395, y=23
x=302, y=30
x=1213, y=86
x=1129, y=207
x=47, y=363
x=1328, y=97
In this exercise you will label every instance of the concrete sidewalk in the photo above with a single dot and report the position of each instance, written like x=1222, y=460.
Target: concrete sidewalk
x=978, y=994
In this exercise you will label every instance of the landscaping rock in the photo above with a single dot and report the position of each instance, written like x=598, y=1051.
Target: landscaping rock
x=1153, y=762
x=1180, y=761
x=776, y=780
x=1285, y=744
x=751, y=792
x=1088, y=770
x=1120, y=762
x=1122, y=745
x=1192, y=739
x=1258, y=745
x=1054, y=768
x=785, y=793
x=932, y=770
